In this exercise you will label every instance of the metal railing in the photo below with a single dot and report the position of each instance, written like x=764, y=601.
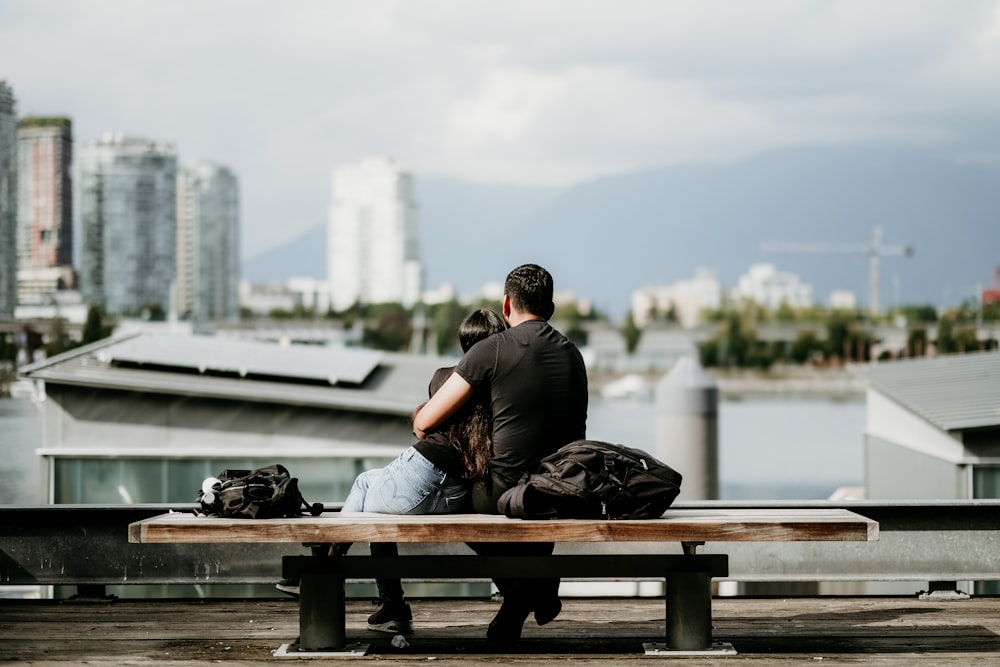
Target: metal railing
x=87, y=546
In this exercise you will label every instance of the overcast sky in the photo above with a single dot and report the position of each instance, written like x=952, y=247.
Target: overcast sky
x=546, y=92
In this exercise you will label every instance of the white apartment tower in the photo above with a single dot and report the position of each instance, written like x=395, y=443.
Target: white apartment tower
x=44, y=207
x=374, y=252
x=128, y=220
x=208, y=228
x=8, y=201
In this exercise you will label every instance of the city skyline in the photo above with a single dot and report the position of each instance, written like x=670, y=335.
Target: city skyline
x=529, y=95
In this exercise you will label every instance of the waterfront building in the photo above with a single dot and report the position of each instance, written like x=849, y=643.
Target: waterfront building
x=265, y=298
x=933, y=429
x=687, y=299
x=8, y=200
x=145, y=418
x=208, y=262
x=128, y=216
x=766, y=286
x=300, y=297
x=44, y=208
x=373, y=254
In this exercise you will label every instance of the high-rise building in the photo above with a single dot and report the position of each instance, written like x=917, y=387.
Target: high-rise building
x=44, y=207
x=128, y=221
x=208, y=257
x=374, y=254
x=8, y=201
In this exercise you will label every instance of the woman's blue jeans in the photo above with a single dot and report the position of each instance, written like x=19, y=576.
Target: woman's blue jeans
x=408, y=485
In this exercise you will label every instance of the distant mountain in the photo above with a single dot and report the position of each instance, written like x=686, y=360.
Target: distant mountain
x=605, y=238
x=302, y=257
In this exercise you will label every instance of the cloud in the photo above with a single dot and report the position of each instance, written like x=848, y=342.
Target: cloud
x=548, y=93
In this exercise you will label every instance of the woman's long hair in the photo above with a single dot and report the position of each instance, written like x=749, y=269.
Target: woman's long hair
x=471, y=428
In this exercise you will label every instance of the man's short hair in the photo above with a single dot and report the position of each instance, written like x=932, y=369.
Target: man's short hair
x=530, y=289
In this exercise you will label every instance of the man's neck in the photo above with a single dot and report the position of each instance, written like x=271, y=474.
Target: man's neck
x=517, y=317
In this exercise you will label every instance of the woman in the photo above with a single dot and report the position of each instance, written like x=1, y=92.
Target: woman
x=434, y=476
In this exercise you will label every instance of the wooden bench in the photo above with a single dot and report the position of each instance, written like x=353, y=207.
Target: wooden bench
x=688, y=575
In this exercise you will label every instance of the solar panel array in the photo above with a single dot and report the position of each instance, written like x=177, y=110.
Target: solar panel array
x=205, y=354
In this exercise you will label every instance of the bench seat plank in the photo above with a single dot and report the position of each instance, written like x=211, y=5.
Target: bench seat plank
x=677, y=525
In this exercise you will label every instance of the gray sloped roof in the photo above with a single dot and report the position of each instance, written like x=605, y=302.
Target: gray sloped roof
x=388, y=383
x=953, y=392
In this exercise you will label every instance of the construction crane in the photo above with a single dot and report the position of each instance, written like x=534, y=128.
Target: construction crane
x=874, y=250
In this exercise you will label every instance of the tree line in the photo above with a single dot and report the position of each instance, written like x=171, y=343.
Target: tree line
x=823, y=336
x=833, y=337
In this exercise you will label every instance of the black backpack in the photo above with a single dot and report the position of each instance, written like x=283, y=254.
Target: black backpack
x=265, y=493
x=587, y=479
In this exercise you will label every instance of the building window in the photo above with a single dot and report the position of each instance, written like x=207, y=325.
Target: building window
x=986, y=481
x=168, y=480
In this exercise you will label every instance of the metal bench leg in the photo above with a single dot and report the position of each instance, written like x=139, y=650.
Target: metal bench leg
x=689, y=611
x=689, y=618
x=322, y=615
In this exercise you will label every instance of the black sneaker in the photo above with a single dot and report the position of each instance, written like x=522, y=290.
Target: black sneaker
x=392, y=616
x=506, y=626
x=289, y=586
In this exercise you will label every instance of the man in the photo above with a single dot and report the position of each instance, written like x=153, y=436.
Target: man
x=538, y=389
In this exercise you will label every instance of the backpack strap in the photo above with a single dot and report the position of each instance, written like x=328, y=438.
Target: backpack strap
x=511, y=502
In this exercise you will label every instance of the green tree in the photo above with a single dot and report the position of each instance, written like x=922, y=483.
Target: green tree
x=838, y=336
x=945, y=342
x=785, y=313
x=847, y=339
x=966, y=340
x=708, y=353
x=738, y=337
x=94, y=327
x=806, y=347
x=445, y=318
x=631, y=333
x=916, y=342
x=919, y=313
x=760, y=354
x=734, y=344
x=572, y=323
x=58, y=340
x=8, y=348
x=392, y=331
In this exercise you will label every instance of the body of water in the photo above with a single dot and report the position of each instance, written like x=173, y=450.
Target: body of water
x=769, y=448
x=21, y=480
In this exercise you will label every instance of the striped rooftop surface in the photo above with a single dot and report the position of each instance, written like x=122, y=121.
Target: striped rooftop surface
x=952, y=392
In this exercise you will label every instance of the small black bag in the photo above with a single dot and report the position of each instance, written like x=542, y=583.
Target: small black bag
x=587, y=479
x=265, y=493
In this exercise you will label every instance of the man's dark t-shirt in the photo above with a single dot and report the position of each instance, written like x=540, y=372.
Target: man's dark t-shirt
x=538, y=388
